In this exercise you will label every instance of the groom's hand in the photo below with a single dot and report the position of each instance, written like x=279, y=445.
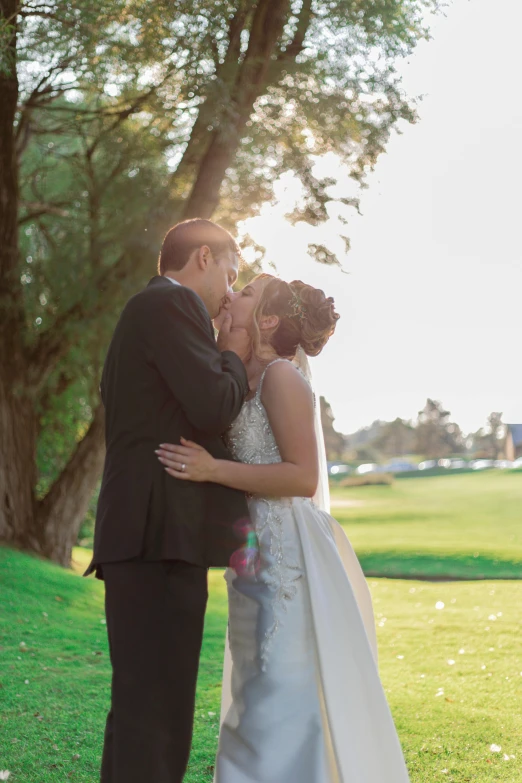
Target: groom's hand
x=218, y=320
x=235, y=339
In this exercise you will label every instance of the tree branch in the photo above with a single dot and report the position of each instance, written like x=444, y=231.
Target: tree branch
x=39, y=209
x=49, y=393
x=297, y=44
x=56, y=340
x=267, y=26
x=216, y=100
x=42, y=93
x=41, y=14
x=235, y=28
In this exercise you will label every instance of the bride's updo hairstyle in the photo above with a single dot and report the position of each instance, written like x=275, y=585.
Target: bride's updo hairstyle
x=307, y=318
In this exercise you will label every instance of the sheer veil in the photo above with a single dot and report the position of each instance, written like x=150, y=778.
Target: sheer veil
x=322, y=495
x=322, y=501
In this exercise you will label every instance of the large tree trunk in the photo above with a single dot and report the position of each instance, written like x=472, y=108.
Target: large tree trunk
x=18, y=524
x=268, y=22
x=11, y=312
x=61, y=512
x=17, y=417
x=48, y=527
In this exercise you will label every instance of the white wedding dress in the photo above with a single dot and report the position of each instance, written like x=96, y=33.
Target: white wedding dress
x=302, y=700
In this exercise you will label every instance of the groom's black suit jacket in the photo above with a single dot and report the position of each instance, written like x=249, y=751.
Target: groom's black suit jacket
x=165, y=377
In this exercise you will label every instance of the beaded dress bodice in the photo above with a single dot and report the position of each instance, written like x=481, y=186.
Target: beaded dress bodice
x=251, y=441
x=250, y=438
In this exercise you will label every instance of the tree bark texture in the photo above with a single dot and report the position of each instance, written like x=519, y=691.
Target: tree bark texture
x=61, y=512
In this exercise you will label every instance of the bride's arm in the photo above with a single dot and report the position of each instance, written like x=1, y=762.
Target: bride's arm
x=288, y=401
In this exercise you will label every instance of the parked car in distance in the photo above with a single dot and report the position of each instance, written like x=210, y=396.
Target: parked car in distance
x=339, y=469
x=456, y=463
x=367, y=467
x=399, y=466
x=482, y=464
x=428, y=464
x=503, y=464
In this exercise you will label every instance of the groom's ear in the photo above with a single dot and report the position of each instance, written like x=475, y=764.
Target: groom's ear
x=204, y=256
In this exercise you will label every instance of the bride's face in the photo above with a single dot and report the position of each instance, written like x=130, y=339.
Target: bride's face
x=243, y=304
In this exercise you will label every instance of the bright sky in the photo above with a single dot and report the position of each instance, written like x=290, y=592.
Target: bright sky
x=432, y=304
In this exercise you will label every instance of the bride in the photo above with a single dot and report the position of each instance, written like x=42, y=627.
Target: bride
x=302, y=699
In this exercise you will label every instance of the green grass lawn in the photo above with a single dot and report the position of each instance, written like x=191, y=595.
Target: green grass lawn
x=453, y=675
x=458, y=526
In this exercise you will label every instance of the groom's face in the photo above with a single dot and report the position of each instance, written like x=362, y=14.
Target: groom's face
x=220, y=275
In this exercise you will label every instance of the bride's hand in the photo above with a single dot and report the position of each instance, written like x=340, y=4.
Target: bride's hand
x=188, y=461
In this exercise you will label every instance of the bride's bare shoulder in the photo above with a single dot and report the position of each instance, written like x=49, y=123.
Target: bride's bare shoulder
x=283, y=380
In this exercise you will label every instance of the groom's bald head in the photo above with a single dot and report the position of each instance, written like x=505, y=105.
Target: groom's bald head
x=202, y=256
x=189, y=235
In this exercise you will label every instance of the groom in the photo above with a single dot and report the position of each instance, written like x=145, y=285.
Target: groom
x=165, y=377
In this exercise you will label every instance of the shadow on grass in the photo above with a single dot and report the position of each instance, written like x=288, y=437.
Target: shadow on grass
x=437, y=566
x=385, y=516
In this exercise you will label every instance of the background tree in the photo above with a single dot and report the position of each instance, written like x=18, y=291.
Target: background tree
x=119, y=118
x=333, y=440
x=437, y=435
x=489, y=441
x=496, y=434
x=360, y=446
x=397, y=438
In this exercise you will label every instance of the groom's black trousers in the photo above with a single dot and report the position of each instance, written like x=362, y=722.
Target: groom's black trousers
x=155, y=613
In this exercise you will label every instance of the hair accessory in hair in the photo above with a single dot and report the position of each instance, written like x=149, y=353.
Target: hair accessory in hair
x=296, y=305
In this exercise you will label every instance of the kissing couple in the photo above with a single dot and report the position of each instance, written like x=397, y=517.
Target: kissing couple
x=215, y=457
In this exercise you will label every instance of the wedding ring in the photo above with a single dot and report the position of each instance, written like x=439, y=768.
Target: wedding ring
x=183, y=466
